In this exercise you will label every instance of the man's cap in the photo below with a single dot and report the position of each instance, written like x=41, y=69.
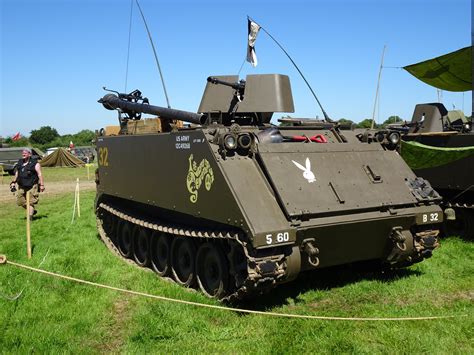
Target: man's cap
x=27, y=150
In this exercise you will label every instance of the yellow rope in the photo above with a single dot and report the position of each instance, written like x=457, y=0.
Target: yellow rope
x=3, y=260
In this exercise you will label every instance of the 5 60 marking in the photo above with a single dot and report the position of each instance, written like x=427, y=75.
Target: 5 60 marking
x=278, y=238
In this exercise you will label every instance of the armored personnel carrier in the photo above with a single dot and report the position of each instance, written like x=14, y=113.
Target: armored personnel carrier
x=439, y=146
x=234, y=206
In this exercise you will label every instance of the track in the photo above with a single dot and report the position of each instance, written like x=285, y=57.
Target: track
x=463, y=225
x=218, y=262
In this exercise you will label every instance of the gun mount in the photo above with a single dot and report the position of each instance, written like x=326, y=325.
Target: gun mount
x=225, y=100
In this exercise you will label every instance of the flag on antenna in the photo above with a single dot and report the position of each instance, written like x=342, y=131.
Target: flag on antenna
x=16, y=137
x=253, y=29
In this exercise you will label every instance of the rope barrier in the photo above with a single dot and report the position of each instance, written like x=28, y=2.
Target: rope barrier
x=3, y=260
x=12, y=298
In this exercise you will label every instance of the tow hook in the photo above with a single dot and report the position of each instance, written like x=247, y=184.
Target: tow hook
x=398, y=247
x=308, y=247
x=398, y=238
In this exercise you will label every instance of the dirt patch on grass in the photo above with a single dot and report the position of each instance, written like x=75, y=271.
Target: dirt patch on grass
x=449, y=298
x=116, y=333
x=52, y=188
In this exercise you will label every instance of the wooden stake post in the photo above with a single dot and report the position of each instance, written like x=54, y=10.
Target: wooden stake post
x=28, y=230
x=76, y=202
x=78, y=198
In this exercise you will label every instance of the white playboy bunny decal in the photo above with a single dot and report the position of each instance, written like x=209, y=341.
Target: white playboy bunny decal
x=307, y=173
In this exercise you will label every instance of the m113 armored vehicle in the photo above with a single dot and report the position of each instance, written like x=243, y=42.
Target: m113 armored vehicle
x=235, y=206
x=439, y=146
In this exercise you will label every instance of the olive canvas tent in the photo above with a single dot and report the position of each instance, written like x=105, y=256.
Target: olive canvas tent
x=61, y=157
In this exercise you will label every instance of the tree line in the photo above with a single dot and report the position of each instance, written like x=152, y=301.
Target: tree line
x=367, y=123
x=47, y=137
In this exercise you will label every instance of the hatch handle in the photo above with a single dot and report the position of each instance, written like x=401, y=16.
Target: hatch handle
x=374, y=177
x=340, y=199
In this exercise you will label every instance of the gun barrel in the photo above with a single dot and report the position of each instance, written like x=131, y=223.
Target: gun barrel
x=235, y=86
x=112, y=102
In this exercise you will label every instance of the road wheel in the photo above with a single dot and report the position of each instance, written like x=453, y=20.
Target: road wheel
x=141, y=246
x=124, y=231
x=160, y=253
x=212, y=270
x=109, y=224
x=183, y=254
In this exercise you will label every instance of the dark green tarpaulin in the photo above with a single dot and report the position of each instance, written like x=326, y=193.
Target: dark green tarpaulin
x=451, y=72
x=421, y=156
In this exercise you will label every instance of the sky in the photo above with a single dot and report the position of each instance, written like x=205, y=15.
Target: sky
x=56, y=55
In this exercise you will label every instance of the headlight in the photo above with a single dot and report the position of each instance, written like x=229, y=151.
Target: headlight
x=394, y=138
x=244, y=141
x=467, y=126
x=230, y=142
x=379, y=137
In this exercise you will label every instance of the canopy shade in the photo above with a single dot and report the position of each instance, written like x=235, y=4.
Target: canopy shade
x=450, y=72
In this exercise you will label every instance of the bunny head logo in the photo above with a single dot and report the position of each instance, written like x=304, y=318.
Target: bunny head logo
x=307, y=173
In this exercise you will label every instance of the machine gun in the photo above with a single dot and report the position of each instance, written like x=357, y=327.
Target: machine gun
x=239, y=86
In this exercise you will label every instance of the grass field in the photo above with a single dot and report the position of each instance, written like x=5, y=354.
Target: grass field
x=61, y=174
x=57, y=316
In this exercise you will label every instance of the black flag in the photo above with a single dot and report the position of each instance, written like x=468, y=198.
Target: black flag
x=253, y=29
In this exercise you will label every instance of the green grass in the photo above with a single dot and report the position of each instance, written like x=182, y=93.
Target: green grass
x=54, y=315
x=62, y=174
x=68, y=174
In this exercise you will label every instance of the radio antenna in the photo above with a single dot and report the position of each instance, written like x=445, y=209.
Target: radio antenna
x=377, y=91
x=156, y=56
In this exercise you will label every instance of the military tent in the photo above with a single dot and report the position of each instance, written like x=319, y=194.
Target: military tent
x=61, y=157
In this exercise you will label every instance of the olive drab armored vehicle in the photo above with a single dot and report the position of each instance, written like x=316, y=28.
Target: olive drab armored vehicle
x=439, y=146
x=234, y=206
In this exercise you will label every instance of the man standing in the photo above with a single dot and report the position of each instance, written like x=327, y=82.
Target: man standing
x=27, y=176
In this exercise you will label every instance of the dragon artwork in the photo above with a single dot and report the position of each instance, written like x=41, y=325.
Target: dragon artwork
x=198, y=174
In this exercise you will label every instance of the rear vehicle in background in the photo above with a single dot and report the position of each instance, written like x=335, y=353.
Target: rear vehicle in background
x=85, y=153
x=10, y=156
